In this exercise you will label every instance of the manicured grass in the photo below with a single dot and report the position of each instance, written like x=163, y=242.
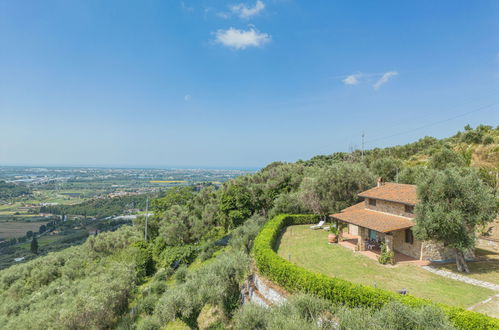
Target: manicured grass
x=309, y=249
x=481, y=270
x=490, y=308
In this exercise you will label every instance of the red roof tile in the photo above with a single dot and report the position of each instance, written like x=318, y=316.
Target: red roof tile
x=394, y=192
x=379, y=221
x=355, y=207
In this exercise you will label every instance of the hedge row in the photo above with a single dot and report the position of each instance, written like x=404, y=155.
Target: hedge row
x=296, y=279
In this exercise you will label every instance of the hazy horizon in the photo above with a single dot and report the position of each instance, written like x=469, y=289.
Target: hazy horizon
x=132, y=167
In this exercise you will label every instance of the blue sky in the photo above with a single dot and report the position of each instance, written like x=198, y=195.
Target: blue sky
x=238, y=83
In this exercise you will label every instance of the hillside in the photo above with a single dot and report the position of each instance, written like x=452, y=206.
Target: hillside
x=197, y=250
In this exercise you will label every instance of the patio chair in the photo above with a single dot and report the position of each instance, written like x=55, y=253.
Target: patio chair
x=319, y=225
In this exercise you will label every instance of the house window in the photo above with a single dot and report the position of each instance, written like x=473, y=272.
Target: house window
x=409, y=209
x=372, y=202
x=409, y=238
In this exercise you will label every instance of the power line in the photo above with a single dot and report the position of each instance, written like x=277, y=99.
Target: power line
x=434, y=123
x=397, y=121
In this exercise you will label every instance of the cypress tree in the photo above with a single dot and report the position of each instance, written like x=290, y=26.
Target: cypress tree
x=34, y=245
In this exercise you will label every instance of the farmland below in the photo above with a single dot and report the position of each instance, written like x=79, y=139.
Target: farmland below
x=63, y=206
x=14, y=229
x=188, y=270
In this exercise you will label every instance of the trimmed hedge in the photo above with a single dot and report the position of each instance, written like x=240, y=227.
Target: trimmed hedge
x=296, y=279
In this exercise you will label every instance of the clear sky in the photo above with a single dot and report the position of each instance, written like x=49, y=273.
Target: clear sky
x=238, y=83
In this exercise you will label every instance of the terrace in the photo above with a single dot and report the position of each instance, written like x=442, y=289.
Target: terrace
x=309, y=249
x=351, y=242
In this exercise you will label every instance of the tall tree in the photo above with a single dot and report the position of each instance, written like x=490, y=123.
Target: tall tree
x=236, y=204
x=330, y=189
x=452, y=207
x=446, y=158
x=34, y=245
x=386, y=167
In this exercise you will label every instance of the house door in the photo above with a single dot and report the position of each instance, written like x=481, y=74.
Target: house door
x=372, y=235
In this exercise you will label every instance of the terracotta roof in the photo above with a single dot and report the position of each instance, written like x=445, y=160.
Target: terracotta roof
x=394, y=192
x=355, y=207
x=379, y=221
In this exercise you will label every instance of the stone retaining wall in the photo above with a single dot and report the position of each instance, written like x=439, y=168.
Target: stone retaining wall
x=262, y=292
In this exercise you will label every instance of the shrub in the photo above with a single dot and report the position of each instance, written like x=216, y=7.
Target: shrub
x=181, y=274
x=142, y=255
x=386, y=257
x=297, y=279
x=165, y=256
x=393, y=315
x=488, y=140
x=217, y=284
x=207, y=251
x=250, y=317
x=243, y=236
x=149, y=322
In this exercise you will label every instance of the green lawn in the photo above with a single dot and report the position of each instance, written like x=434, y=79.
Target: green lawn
x=481, y=270
x=490, y=308
x=309, y=249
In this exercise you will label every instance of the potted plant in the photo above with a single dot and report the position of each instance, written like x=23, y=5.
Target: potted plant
x=333, y=236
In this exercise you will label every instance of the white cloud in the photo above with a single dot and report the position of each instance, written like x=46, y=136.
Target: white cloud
x=187, y=97
x=223, y=15
x=240, y=39
x=384, y=79
x=246, y=12
x=352, y=79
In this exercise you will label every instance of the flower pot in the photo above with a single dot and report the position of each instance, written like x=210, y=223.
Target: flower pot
x=332, y=238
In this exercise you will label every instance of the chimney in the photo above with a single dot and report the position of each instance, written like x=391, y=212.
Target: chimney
x=380, y=181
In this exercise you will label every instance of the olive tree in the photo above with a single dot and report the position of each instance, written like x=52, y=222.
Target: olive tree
x=386, y=167
x=329, y=189
x=452, y=206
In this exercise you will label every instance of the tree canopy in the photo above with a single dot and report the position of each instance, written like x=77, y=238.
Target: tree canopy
x=327, y=190
x=452, y=206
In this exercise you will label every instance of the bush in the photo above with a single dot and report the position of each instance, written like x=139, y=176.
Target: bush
x=250, y=317
x=386, y=257
x=243, y=236
x=181, y=274
x=149, y=322
x=207, y=251
x=393, y=315
x=488, y=140
x=217, y=284
x=297, y=279
x=309, y=312
x=143, y=257
x=165, y=256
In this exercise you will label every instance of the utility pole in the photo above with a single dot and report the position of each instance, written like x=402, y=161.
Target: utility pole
x=147, y=218
x=362, y=145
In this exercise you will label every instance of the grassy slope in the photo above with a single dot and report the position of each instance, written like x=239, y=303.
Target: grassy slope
x=480, y=270
x=309, y=249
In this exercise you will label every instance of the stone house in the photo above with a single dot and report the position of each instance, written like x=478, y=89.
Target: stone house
x=387, y=215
